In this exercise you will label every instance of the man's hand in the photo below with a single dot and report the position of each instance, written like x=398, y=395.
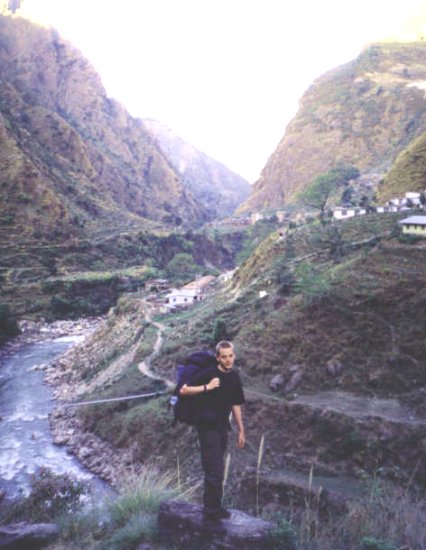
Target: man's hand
x=213, y=384
x=241, y=440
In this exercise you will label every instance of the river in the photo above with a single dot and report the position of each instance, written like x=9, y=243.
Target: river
x=26, y=400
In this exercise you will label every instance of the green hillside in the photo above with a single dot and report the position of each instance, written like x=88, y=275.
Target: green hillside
x=408, y=172
x=335, y=309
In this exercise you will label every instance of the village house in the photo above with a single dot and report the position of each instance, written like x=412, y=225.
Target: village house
x=386, y=209
x=281, y=216
x=345, y=213
x=414, y=225
x=414, y=198
x=190, y=293
x=255, y=217
x=236, y=222
x=181, y=297
x=410, y=200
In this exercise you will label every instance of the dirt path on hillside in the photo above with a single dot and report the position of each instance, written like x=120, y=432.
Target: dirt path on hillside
x=357, y=406
x=353, y=406
x=145, y=366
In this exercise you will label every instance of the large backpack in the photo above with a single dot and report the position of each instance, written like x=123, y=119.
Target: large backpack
x=191, y=371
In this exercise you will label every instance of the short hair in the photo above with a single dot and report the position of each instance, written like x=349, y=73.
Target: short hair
x=223, y=344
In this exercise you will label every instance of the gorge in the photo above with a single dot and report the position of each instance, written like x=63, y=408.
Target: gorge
x=327, y=316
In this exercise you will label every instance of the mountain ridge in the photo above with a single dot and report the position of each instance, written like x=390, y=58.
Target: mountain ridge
x=363, y=113
x=76, y=141
x=216, y=187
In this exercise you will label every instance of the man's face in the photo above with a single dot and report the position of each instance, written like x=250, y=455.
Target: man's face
x=226, y=358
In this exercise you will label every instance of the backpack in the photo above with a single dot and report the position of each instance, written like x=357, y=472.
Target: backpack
x=191, y=371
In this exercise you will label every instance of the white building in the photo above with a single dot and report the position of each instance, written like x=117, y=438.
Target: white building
x=255, y=217
x=189, y=294
x=345, y=213
x=179, y=297
x=413, y=197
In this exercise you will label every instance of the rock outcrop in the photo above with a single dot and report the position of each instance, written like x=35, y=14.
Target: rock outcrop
x=183, y=524
x=18, y=536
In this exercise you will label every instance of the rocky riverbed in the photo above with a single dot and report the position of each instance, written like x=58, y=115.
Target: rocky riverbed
x=93, y=453
x=41, y=331
x=98, y=456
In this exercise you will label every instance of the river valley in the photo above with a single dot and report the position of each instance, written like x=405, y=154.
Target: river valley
x=26, y=442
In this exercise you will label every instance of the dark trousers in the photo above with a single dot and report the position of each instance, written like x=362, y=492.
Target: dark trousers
x=213, y=443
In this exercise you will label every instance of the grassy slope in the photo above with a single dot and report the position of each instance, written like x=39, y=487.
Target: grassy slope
x=408, y=173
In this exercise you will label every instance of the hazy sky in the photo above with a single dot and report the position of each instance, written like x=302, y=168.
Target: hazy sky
x=225, y=75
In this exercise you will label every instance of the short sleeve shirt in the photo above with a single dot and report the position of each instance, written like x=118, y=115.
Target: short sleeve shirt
x=216, y=405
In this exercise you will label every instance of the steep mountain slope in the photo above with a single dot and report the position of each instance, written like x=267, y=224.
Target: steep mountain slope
x=85, y=191
x=72, y=159
x=363, y=114
x=219, y=189
x=408, y=172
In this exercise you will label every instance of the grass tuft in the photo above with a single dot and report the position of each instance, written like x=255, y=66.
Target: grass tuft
x=144, y=492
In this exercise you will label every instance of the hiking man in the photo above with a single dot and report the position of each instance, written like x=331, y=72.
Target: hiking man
x=219, y=393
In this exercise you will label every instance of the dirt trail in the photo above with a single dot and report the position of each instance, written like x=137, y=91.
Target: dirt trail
x=145, y=366
x=356, y=406
x=344, y=486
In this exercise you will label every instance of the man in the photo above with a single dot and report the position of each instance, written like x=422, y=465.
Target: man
x=219, y=393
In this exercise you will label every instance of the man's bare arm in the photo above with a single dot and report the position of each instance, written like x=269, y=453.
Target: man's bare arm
x=187, y=391
x=236, y=411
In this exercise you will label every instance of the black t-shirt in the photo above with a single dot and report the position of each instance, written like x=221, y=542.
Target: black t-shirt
x=214, y=407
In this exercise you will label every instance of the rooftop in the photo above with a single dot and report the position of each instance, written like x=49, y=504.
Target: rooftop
x=417, y=220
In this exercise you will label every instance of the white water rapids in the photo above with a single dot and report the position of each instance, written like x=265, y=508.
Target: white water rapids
x=26, y=400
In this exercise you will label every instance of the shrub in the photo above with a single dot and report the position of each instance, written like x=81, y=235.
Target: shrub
x=133, y=514
x=139, y=528
x=52, y=495
x=406, y=238
x=283, y=535
x=8, y=325
x=144, y=492
x=219, y=331
x=182, y=267
x=312, y=281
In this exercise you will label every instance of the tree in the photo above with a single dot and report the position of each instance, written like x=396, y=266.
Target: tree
x=219, y=331
x=346, y=195
x=8, y=325
x=318, y=193
x=182, y=267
